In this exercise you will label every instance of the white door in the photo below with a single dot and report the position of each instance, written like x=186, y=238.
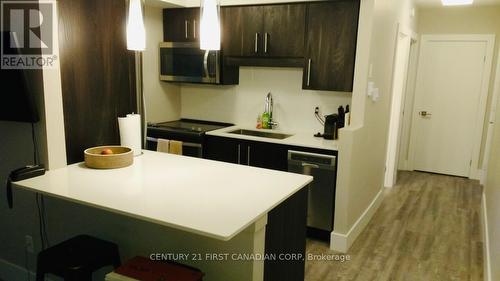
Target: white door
x=447, y=100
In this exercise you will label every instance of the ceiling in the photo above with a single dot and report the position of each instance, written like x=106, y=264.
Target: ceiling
x=435, y=3
x=196, y=3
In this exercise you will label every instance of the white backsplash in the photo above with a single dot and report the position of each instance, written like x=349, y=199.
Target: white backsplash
x=241, y=104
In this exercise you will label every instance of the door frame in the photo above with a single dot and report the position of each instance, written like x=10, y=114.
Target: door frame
x=475, y=170
x=401, y=61
x=404, y=146
x=491, y=121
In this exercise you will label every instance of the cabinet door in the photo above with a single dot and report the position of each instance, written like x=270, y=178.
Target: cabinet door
x=242, y=31
x=181, y=25
x=267, y=155
x=284, y=30
x=222, y=149
x=331, y=45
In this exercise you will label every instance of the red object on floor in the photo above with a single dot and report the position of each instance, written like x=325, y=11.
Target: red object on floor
x=144, y=269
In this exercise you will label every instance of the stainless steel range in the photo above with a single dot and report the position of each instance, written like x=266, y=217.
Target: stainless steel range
x=191, y=132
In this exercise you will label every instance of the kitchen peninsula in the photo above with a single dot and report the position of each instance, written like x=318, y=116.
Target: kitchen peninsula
x=206, y=208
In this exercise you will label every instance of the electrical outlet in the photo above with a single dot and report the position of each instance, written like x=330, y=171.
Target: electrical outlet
x=28, y=243
x=316, y=110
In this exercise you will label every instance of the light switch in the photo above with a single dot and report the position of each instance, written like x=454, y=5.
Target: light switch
x=375, y=94
x=370, y=88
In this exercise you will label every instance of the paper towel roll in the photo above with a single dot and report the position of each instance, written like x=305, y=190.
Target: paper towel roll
x=130, y=132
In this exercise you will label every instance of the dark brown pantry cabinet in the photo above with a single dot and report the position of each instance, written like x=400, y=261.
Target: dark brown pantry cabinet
x=97, y=73
x=331, y=45
x=181, y=25
x=264, y=31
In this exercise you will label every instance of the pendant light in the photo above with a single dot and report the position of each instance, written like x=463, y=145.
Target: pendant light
x=210, y=25
x=136, y=41
x=136, y=33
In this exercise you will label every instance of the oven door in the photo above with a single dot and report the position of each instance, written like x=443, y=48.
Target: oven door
x=188, y=148
x=186, y=62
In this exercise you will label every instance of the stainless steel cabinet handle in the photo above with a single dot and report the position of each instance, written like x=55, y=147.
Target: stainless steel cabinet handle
x=265, y=42
x=304, y=164
x=186, y=28
x=248, y=155
x=256, y=42
x=205, y=64
x=309, y=72
x=194, y=29
x=239, y=153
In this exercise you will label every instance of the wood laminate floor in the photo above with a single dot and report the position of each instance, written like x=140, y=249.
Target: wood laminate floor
x=427, y=228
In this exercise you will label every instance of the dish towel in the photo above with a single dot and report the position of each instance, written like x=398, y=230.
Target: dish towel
x=163, y=145
x=175, y=147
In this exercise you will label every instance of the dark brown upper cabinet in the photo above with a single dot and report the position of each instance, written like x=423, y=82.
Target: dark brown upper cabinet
x=284, y=30
x=331, y=45
x=241, y=27
x=275, y=31
x=181, y=25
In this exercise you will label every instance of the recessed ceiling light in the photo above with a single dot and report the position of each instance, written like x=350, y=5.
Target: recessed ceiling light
x=456, y=2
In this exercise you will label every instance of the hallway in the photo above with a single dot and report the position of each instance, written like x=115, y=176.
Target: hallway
x=427, y=228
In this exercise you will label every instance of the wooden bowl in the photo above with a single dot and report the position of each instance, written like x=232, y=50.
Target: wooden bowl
x=121, y=157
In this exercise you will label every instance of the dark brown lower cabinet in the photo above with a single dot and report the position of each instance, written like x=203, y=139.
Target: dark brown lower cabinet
x=221, y=149
x=97, y=72
x=286, y=239
x=250, y=153
x=286, y=228
x=266, y=155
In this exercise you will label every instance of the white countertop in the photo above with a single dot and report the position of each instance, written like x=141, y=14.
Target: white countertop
x=209, y=198
x=297, y=139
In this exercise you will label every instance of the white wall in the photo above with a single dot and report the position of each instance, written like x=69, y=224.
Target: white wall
x=241, y=104
x=363, y=145
x=162, y=99
x=492, y=202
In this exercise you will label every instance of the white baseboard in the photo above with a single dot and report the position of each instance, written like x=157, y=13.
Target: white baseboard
x=486, y=239
x=476, y=174
x=340, y=242
x=482, y=178
x=14, y=272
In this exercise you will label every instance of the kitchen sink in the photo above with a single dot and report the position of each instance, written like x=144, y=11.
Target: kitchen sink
x=260, y=134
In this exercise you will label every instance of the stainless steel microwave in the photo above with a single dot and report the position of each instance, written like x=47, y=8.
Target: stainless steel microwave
x=185, y=62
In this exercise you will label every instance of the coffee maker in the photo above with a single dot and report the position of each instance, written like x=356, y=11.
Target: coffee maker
x=332, y=125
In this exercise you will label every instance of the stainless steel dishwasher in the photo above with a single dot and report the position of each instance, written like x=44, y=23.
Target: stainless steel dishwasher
x=322, y=190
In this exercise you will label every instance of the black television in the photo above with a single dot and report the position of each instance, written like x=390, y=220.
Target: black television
x=17, y=102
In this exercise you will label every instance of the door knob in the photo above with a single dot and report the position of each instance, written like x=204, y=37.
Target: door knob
x=424, y=113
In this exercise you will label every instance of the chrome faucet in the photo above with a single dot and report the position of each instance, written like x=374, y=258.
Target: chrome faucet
x=269, y=109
